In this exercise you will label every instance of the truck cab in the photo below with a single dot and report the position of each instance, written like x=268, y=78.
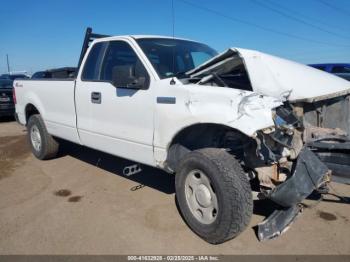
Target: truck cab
x=119, y=81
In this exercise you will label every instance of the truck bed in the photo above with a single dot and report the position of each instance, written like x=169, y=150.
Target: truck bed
x=55, y=101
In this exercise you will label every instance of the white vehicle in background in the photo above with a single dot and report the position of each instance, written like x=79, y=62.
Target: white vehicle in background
x=216, y=121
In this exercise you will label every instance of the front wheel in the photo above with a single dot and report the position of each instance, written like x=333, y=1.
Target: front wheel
x=43, y=145
x=213, y=194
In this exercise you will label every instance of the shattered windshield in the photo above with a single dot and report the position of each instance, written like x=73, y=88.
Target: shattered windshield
x=174, y=57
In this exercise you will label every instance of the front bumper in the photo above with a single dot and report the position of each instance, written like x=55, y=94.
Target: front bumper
x=318, y=162
x=309, y=174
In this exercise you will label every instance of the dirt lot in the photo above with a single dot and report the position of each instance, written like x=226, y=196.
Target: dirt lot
x=80, y=203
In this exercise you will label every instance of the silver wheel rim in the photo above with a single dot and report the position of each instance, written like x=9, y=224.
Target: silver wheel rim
x=35, y=138
x=201, y=198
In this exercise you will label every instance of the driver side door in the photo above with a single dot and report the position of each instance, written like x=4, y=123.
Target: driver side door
x=115, y=118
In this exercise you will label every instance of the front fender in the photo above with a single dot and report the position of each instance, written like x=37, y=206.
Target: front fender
x=244, y=111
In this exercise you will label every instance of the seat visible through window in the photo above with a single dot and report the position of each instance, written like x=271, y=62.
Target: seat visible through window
x=119, y=53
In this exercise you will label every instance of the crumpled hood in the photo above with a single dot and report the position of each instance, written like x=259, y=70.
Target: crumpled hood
x=278, y=77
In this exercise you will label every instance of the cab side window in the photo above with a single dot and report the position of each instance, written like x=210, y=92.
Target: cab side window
x=120, y=61
x=92, y=65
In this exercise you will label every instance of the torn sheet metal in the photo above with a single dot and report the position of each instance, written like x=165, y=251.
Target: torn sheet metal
x=249, y=104
x=278, y=222
x=309, y=174
x=277, y=77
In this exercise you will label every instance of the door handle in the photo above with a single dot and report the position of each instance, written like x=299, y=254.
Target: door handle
x=96, y=97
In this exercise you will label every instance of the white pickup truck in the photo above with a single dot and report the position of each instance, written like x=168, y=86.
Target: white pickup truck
x=220, y=122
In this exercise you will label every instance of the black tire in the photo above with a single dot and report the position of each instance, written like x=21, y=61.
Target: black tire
x=232, y=189
x=49, y=146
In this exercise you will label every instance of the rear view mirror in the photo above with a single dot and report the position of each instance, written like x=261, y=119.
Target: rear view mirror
x=123, y=76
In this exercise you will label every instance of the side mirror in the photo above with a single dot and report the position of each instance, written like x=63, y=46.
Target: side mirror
x=124, y=76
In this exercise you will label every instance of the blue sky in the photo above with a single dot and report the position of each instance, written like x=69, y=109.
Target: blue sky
x=44, y=34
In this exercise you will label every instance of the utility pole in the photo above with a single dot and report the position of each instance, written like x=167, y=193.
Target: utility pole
x=8, y=63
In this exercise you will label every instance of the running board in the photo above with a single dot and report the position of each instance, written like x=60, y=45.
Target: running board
x=132, y=170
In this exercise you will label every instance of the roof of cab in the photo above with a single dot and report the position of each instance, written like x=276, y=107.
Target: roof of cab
x=136, y=37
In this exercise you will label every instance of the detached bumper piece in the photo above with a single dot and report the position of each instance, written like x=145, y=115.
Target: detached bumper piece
x=335, y=153
x=309, y=175
x=278, y=222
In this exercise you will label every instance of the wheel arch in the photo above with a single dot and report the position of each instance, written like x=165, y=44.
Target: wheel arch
x=202, y=135
x=30, y=109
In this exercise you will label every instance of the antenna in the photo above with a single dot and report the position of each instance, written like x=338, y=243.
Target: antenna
x=173, y=17
x=8, y=63
x=172, y=81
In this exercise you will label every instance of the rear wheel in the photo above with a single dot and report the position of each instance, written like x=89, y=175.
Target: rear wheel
x=213, y=194
x=43, y=145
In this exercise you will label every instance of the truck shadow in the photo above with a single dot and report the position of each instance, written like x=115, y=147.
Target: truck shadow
x=149, y=176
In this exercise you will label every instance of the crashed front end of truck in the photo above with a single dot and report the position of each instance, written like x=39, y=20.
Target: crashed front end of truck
x=307, y=147
x=298, y=158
